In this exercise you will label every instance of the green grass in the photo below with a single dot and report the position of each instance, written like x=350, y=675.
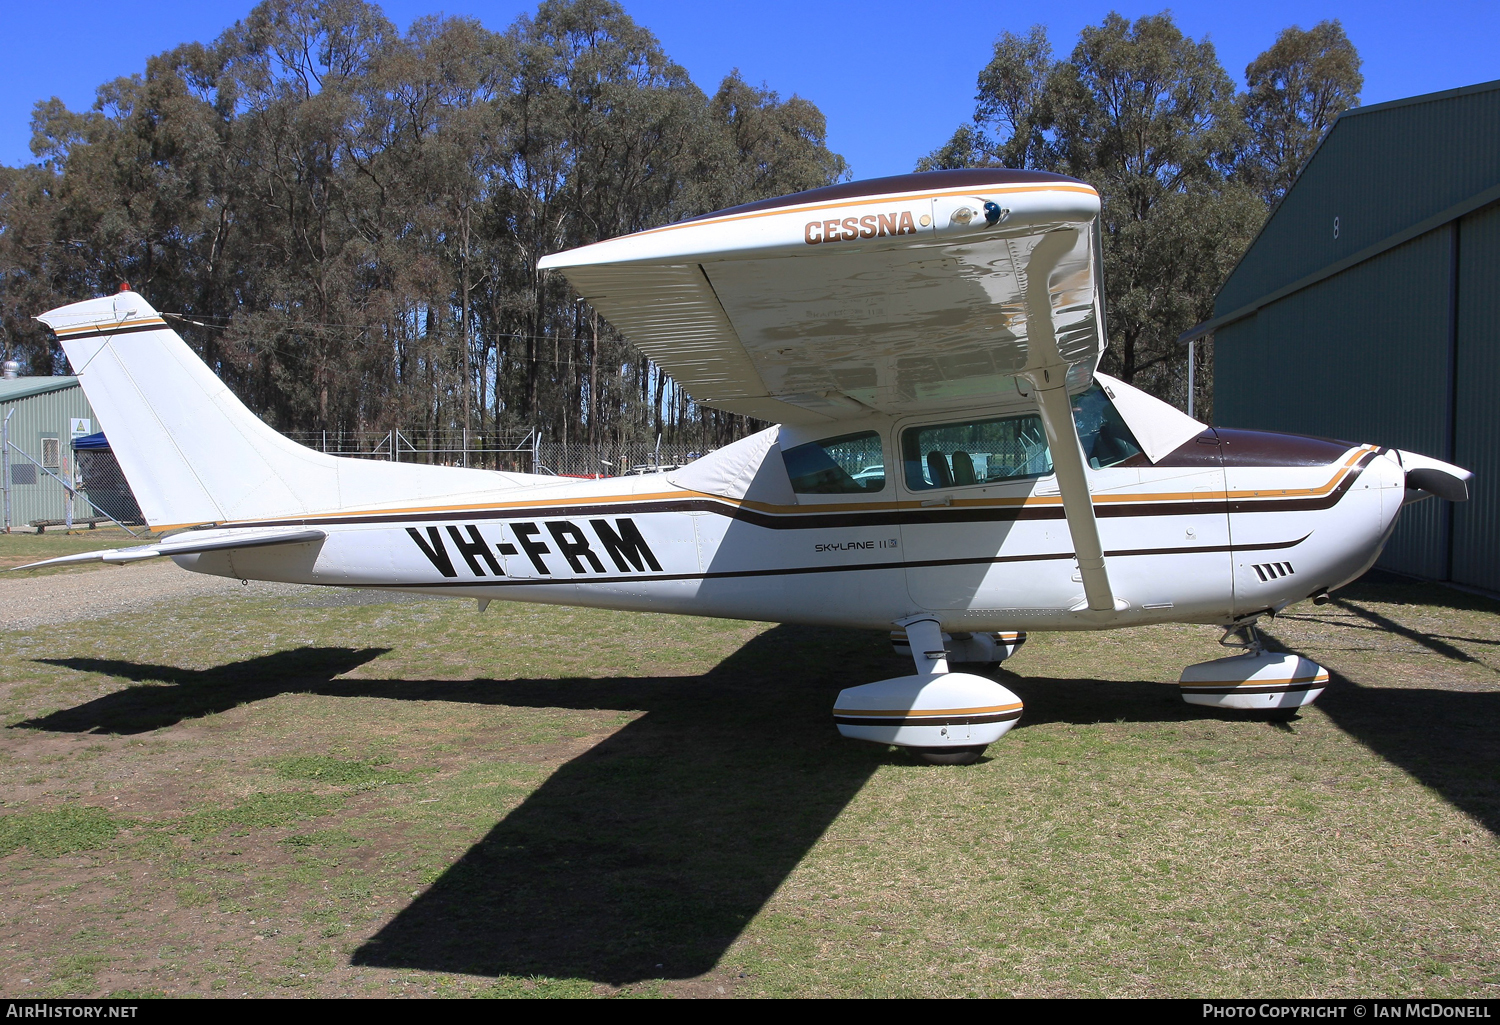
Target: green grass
x=20, y=549
x=280, y=797
x=57, y=831
x=341, y=772
x=262, y=811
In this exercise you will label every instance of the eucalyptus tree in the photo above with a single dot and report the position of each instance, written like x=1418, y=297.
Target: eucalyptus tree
x=346, y=218
x=1149, y=117
x=1297, y=89
x=1184, y=163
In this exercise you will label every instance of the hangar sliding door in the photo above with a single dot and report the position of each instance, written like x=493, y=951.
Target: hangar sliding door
x=1476, y=523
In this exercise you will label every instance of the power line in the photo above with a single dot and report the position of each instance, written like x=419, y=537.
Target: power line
x=367, y=327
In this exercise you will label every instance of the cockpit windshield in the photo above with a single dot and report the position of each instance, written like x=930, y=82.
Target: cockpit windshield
x=1102, y=432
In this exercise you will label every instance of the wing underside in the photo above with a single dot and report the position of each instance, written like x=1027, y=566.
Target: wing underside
x=899, y=298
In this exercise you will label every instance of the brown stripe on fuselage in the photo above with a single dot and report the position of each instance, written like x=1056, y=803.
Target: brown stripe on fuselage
x=884, y=514
x=861, y=567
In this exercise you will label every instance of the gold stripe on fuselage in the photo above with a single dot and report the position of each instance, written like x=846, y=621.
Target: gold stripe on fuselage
x=1030, y=501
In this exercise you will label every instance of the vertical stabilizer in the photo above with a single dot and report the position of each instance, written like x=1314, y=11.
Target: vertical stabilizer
x=193, y=453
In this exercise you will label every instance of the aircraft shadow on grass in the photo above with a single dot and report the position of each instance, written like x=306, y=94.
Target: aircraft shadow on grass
x=642, y=858
x=1448, y=740
x=646, y=856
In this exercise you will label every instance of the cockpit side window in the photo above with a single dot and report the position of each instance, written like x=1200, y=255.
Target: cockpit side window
x=848, y=464
x=1014, y=447
x=981, y=452
x=1102, y=432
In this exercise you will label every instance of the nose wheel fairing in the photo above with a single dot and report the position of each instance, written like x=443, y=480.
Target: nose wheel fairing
x=1254, y=681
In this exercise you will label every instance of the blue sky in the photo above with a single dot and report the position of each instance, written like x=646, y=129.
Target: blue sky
x=893, y=78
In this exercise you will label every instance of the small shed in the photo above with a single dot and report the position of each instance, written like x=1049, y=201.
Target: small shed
x=42, y=416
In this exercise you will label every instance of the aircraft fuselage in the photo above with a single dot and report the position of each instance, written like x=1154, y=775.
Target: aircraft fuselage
x=1230, y=524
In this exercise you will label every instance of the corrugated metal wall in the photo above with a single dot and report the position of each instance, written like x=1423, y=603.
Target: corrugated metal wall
x=1402, y=349
x=36, y=417
x=1362, y=356
x=1476, y=523
x=1381, y=169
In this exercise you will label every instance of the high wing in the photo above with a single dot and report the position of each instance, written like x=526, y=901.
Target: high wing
x=898, y=294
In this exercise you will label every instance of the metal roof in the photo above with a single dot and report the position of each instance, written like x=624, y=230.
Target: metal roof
x=24, y=387
x=1382, y=176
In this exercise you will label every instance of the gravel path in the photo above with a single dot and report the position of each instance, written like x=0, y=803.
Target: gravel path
x=62, y=597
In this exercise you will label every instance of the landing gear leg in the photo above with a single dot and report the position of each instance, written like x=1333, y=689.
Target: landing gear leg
x=928, y=650
x=1245, y=635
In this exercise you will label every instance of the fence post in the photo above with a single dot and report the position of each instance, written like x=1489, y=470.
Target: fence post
x=466, y=446
x=1191, y=368
x=5, y=462
x=67, y=469
x=392, y=439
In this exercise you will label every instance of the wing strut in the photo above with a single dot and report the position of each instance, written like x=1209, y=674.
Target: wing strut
x=1048, y=373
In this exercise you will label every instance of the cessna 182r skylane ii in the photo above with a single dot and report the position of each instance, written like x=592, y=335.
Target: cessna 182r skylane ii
x=948, y=462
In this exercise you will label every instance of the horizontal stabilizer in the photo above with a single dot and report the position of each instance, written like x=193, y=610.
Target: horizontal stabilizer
x=190, y=543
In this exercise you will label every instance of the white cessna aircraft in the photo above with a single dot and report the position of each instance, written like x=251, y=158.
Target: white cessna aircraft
x=948, y=462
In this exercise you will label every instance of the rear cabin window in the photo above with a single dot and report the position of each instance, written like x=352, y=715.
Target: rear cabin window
x=846, y=465
x=1012, y=448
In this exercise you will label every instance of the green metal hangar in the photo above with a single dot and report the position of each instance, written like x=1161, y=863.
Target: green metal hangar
x=1368, y=309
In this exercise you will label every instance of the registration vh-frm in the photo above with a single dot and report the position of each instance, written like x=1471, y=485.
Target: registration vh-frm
x=948, y=463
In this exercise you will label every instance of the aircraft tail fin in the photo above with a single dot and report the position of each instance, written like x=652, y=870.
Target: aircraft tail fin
x=194, y=454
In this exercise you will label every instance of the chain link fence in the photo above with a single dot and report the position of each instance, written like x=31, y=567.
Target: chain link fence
x=526, y=453
x=611, y=460
x=103, y=483
x=47, y=489
x=94, y=489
